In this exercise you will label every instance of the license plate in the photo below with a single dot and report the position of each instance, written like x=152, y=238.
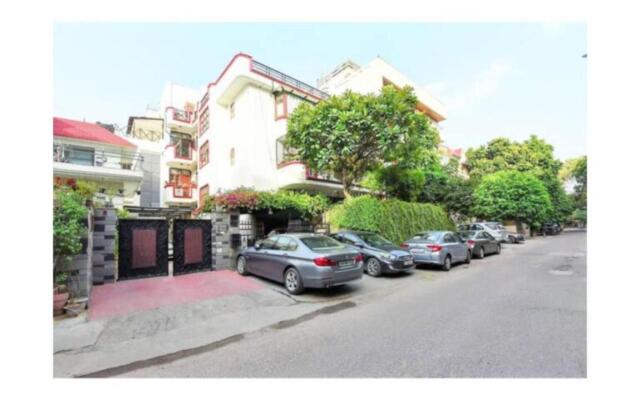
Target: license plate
x=343, y=264
x=408, y=262
x=417, y=250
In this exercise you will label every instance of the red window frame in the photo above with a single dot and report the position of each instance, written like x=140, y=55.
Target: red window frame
x=202, y=152
x=285, y=113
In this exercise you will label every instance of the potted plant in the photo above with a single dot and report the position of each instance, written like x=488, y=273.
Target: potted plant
x=60, y=293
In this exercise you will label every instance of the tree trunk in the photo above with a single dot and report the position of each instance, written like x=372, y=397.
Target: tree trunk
x=346, y=188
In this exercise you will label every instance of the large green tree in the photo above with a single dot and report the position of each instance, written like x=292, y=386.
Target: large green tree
x=352, y=134
x=512, y=195
x=534, y=156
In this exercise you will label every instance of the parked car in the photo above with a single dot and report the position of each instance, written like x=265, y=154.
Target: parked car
x=380, y=254
x=442, y=248
x=481, y=243
x=550, y=228
x=495, y=229
x=302, y=260
x=514, y=237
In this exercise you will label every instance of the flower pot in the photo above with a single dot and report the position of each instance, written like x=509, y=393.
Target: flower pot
x=59, y=300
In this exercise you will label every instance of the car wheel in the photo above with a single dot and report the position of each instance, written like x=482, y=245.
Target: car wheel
x=481, y=253
x=292, y=281
x=447, y=263
x=373, y=267
x=241, y=267
x=499, y=249
x=468, y=259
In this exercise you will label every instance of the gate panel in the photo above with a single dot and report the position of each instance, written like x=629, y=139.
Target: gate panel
x=191, y=246
x=143, y=248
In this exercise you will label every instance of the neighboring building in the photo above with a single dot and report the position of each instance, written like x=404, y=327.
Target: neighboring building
x=372, y=77
x=90, y=152
x=147, y=133
x=448, y=154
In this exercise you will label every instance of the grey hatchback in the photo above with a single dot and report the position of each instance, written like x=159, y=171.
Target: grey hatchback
x=441, y=248
x=481, y=243
x=302, y=260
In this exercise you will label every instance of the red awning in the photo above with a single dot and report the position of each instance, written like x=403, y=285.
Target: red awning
x=79, y=130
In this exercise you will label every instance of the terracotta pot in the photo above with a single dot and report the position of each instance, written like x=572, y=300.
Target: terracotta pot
x=59, y=300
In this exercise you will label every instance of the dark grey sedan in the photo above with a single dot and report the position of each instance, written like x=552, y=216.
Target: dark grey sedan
x=481, y=243
x=441, y=248
x=380, y=254
x=302, y=260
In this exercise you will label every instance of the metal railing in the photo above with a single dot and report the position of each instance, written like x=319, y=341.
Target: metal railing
x=284, y=78
x=97, y=158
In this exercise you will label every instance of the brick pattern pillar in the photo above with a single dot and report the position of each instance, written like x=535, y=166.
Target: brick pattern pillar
x=220, y=240
x=104, y=242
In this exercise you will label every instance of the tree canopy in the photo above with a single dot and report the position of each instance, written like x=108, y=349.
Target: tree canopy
x=512, y=195
x=352, y=134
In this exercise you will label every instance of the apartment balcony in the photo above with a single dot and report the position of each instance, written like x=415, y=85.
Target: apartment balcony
x=181, y=120
x=180, y=194
x=89, y=163
x=180, y=156
x=296, y=175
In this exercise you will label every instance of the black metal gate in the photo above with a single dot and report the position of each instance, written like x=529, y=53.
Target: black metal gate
x=191, y=246
x=142, y=248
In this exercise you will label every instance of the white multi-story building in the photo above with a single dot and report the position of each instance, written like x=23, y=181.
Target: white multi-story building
x=372, y=77
x=230, y=133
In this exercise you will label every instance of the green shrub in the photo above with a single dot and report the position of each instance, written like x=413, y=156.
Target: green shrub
x=68, y=229
x=395, y=219
x=247, y=199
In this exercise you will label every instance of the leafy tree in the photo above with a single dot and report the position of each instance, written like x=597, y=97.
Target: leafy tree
x=352, y=134
x=533, y=156
x=512, y=195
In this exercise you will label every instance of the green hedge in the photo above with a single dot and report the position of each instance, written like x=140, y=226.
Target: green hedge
x=395, y=219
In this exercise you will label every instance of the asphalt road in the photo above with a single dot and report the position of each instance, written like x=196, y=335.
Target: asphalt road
x=518, y=314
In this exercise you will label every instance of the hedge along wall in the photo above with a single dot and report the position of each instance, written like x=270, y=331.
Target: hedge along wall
x=395, y=219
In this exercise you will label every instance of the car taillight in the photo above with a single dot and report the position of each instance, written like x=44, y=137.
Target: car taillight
x=471, y=243
x=359, y=258
x=324, y=262
x=434, y=247
x=404, y=245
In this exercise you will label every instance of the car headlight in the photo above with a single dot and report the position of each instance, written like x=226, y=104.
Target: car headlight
x=388, y=257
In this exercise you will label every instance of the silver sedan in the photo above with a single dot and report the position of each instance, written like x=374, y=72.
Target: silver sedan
x=442, y=248
x=302, y=260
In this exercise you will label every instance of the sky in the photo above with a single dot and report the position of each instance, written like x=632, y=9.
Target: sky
x=495, y=79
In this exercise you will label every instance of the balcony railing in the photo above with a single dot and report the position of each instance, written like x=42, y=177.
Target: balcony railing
x=181, y=191
x=286, y=79
x=97, y=158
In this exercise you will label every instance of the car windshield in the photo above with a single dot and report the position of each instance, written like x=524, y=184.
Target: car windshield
x=467, y=234
x=493, y=226
x=321, y=242
x=428, y=236
x=373, y=239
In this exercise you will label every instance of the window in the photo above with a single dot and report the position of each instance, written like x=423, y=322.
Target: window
x=321, y=242
x=268, y=243
x=232, y=156
x=203, y=194
x=203, y=123
x=183, y=144
x=234, y=220
x=232, y=110
x=281, y=106
x=180, y=177
x=285, y=244
x=204, y=154
x=79, y=155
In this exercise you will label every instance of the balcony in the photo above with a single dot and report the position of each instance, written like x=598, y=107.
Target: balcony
x=177, y=194
x=181, y=120
x=180, y=155
x=283, y=78
x=87, y=162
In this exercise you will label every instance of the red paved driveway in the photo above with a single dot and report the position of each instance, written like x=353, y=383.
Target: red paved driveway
x=146, y=294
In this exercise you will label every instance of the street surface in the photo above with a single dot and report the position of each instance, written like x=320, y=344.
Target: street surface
x=518, y=314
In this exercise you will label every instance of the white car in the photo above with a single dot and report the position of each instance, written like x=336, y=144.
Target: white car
x=495, y=229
